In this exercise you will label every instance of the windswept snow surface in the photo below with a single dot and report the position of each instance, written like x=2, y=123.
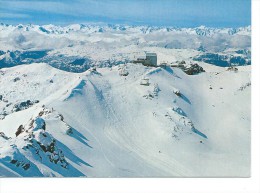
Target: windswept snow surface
x=100, y=124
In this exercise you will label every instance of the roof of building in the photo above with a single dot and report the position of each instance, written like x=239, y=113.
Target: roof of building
x=141, y=58
x=151, y=54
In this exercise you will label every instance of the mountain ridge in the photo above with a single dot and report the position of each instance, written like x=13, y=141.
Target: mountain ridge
x=56, y=29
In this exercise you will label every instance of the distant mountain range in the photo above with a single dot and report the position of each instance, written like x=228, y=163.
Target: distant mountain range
x=78, y=47
x=90, y=28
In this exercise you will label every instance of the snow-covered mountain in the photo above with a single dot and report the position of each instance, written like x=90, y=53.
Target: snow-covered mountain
x=78, y=47
x=92, y=28
x=99, y=123
x=48, y=37
x=72, y=102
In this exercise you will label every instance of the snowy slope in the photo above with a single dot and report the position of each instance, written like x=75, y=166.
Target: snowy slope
x=101, y=124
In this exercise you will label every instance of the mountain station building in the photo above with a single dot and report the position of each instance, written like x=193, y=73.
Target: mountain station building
x=149, y=60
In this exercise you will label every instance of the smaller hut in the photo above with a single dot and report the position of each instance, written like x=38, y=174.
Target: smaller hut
x=145, y=82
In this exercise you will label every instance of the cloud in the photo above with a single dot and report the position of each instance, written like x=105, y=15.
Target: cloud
x=13, y=15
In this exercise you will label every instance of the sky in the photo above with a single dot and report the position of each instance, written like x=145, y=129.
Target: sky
x=179, y=13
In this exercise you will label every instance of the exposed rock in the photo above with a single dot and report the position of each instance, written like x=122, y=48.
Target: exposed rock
x=42, y=143
x=16, y=79
x=182, y=62
x=149, y=95
x=193, y=69
x=24, y=105
x=93, y=69
x=4, y=136
x=46, y=147
x=61, y=117
x=19, y=130
x=69, y=131
x=2, y=72
x=245, y=86
x=3, y=115
x=123, y=72
x=232, y=68
x=38, y=124
x=18, y=163
x=177, y=92
x=8, y=104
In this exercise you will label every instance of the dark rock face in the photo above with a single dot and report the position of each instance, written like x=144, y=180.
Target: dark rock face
x=4, y=136
x=24, y=105
x=69, y=131
x=193, y=69
x=49, y=150
x=19, y=130
x=182, y=62
x=10, y=107
x=232, y=68
x=16, y=79
x=178, y=93
x=18, y=163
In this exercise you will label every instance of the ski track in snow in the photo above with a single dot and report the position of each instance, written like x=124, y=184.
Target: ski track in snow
x=80, y=115
x=121, y=138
